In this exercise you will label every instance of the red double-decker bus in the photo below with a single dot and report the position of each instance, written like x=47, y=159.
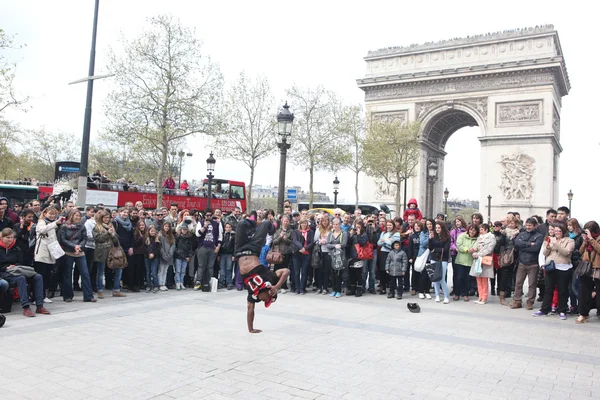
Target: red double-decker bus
x=226, y=195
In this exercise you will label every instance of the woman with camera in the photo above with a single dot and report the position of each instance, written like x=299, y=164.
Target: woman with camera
x=589, y=253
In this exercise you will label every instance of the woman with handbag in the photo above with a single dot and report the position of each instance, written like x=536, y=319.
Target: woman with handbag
x=507, y=259
x=304, y=240
x=322, y=273
x=466, y=246
x=460, y=227
x=588, y=269
x=359, y=245
x=575, y=233
x=72, y=237
x=557, y=250
x=337, y=240
x=389, y=236
x=482, y=258
x=45, y=231
x=282, y=242
x=439, y=246
x=105, y=238
x=415, y=251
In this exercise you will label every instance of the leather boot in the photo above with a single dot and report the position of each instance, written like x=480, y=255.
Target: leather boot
x=529, y=305
x=516, y=304
x=503, y=299
x=351, y=291
x=359, y=291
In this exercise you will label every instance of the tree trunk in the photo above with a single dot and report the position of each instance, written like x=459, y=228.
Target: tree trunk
x=249, y=194
x=397, y=197
x=159, y=178
x=356, y=189
x=310, y=186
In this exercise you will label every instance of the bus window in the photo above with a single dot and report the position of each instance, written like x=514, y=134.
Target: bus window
x=237, y=192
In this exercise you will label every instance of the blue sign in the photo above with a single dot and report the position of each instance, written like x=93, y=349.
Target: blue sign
x=291, y=195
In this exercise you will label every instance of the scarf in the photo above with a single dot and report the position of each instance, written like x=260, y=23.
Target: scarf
x=572, y=235
x=511, y=233
x=589, y=247
x=125, y=223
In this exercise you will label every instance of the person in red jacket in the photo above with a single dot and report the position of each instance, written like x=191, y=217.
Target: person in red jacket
x=169, y=183
x=184, y=185
x=413, y=209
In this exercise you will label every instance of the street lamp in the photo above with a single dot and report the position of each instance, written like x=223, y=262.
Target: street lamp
x=570, y=196
x=432, y=170
x=446, y=193
x=489, y=208
x=180, y=154
x=285, y=119
x=210, y=167
x=336, y=186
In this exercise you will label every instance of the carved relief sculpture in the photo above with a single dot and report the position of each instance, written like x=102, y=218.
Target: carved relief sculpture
x=517, y=177
x=525, y=112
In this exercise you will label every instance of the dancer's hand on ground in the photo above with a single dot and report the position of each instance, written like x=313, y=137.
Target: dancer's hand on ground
x=255, y=331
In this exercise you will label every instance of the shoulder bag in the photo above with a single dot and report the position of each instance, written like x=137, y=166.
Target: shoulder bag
x=55, y=250
x=22, y=270
x=419, y=264
x=116, y=258
x=550, y=266
x=585, y=268
x=435, y=269
x=507, y=257
x=487, y=261
x=364, y=252
x=338, y=256
x=315, y=257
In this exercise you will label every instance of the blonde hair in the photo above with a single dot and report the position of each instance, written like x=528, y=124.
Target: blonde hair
x=324, y=229
x=72, y=214
x=156, y=237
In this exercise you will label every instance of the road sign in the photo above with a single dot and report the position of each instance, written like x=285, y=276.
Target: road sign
x=291, y=195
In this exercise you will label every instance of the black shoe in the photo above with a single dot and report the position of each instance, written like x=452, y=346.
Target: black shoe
x=540, y=298
x=452, y=293
x=493, y=292
x=358, y=292
x=390, y=295
x=399, y=296
x=471, y=293
x=135, y=289
x=372, y=291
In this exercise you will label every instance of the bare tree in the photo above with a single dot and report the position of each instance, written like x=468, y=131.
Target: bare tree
x=43, y=149
x=166, y=90
x=247, y=134
x=317, y=143
x=8, y=94
x=351, y=124
x=391, y=152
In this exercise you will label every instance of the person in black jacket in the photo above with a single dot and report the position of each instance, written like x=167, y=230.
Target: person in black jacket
x=439, y=246
x=529, y=244
x=151, y=257
x=356, y=265
x=303, y=240
x=226, y=258
x=185, y=246
x=11, y=256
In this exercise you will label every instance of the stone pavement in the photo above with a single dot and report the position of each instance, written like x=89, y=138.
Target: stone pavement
x=193, y=345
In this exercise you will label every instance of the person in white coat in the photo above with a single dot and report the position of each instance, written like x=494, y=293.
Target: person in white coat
x=46, y=228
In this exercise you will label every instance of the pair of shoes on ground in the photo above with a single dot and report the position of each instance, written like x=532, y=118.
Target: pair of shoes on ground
x=540, y=313
x=446, y=299
x=337, y=295
x=38, y=310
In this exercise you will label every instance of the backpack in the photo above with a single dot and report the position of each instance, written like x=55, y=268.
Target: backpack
x=117, y=258
x=364, y=252
x=32, y=236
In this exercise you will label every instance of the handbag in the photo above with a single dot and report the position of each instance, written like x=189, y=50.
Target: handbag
x=419, y=264
x=274, y=256
x=22, y=270
x=55, y=250
x=315, y=258
x=507, y=257
x=364, y=252
x=116, y=258
x=584, y=268
x=550, y=266
x=338, y=256
x=488, y=261
x=435, y=269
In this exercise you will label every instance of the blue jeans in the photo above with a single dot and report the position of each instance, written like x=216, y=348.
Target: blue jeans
x=301, y=266
x=226, y=270
x=461, y=279
x=151, y=272
x=86, y=283
x=369, y=268
x=21, y=283
x=442, y=283
x=180, y=269
x=100, y=277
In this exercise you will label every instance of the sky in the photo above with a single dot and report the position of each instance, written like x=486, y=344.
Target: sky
x=306, y=43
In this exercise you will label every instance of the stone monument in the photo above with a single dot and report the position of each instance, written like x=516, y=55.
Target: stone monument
x=510, y=84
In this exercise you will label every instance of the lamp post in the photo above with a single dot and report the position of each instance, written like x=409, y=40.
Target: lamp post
x=87, y=120
x=489, y=208
x=336, y=186
x=285, y=119
x=432, y=170
x=210, y=167
x=570, y=196
x=180, y=154
x=446, y=193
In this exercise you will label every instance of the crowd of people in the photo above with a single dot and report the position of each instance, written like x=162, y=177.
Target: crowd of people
x=51, y=249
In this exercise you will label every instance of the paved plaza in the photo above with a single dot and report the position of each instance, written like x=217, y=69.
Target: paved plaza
x=193, y=345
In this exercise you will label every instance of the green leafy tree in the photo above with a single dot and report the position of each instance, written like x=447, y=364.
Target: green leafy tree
x=248, y=132
x=317, y=142
x=391, y=152
x=166, y=91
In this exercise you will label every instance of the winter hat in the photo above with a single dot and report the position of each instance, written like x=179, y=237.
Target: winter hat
x=413, y=308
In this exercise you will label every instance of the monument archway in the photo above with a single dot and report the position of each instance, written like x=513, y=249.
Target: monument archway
x=510, y=84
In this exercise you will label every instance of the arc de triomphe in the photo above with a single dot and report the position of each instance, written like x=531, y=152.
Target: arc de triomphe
x=509, y=83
